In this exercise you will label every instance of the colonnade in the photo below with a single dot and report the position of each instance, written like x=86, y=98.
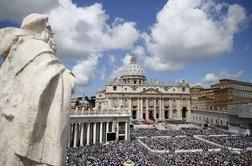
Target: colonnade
x=88, y=133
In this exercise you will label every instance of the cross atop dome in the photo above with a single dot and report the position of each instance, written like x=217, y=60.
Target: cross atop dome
x=132, y=59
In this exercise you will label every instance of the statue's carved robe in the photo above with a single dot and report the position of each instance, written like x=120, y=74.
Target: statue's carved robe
x=35, y=93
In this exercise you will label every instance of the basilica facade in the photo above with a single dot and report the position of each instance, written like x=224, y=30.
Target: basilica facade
x=145, y=100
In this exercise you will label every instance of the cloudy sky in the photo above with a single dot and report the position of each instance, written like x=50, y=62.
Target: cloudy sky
x=200, y=41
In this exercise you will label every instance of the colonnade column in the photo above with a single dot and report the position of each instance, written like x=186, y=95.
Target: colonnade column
x=75, y=135
x=126, y=131
x=107, y=130
x=81, y=134
x=117, y=132
x=88, y=133
x=94, y=133
x=101, y=126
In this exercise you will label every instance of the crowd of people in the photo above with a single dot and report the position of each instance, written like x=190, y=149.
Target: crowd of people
x=208, y=159
x=176, y=143
x=114, y=154
x=199, y=131
x=241, y=142
x=155, y=132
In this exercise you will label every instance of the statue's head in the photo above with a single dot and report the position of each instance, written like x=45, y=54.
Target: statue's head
x=33, y=26
x=38, y=24
x=8, y=37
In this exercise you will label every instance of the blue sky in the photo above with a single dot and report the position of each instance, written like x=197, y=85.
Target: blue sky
x=196, y=40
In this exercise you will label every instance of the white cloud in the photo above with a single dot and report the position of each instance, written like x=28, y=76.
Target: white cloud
x=188, y=30
x=15, y=10
x=212, y=78
x=83, y=32
x=85, y=70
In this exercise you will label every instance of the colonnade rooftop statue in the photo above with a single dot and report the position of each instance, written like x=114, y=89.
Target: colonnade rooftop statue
x=35, y=93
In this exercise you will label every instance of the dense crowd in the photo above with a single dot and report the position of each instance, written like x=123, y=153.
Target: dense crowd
x=177, y=122
x=114, y=154
x=198, y=131
x=176, y=143
x=208, y=159
x=155, y=132
x=241, y=142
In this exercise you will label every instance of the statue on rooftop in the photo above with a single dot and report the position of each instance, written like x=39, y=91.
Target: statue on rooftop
x=35, y=93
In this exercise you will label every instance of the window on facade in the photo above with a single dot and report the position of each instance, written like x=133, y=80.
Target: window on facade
x=156, y=88
x=183, y=89
x=135, y=82
x=173, y=90
x=114, y=87
x=125, y=89
x=157, y=115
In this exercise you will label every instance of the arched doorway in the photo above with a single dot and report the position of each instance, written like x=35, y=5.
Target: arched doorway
x=184, y=110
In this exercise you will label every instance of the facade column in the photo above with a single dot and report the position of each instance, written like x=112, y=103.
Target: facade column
x=160, y=109
x=170, y=112
x=101, y=126
x=129, y=107
x=141, y=109
x=178, y=108
x=147, y=108
x=94, y=133
x=188, y=115
x=75, y=135
x=81, y=134
x=155, y=109
x=138, y=109
x=162, y=105
x=88, y=133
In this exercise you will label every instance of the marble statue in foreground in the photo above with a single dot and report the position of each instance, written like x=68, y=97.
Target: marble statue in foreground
x=35, y=93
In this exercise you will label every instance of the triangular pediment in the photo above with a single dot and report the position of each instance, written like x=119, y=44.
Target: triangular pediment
x=151, y=91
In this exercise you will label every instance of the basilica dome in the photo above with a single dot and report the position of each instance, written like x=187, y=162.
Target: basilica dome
x=133, y=69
